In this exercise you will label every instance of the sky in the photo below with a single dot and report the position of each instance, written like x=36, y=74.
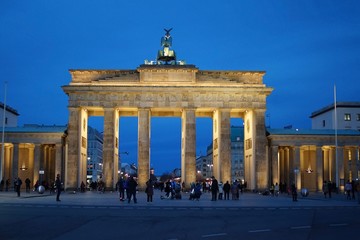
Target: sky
x=305, y=46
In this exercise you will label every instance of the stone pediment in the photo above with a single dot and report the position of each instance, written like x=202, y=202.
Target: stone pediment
x=166, y=74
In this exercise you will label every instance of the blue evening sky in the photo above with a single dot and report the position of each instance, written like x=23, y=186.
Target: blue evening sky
x=305, y=47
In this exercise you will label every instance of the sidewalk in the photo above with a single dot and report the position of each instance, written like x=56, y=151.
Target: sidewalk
x=111, y=199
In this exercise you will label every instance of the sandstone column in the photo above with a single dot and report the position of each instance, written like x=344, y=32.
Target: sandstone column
x=319, y=169
x=341, y=168
x=15, y=161
x=222, y=145
x=58, y=160
x=297, y=169
x=255, y=148
x=275, y=164
x=188, y=147
x=36, y=159
x=144, y=117
x=110, y=148
x=74, y=145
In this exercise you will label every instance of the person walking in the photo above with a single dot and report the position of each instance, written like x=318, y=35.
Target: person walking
x=58, y=186
x=226, y=189
x=325, y=188
x=277, y=189
x=132, y=189
x=18, y=184
x=121, y=188
x=348, y=189
x=214, y=188
x=221, y=190
x=2, y=185
x=358, y=191
x=149, y=190
x=294, y=192
x=27, y=185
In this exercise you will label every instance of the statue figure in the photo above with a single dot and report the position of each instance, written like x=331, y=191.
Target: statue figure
x=166, y=41
x=166, y=55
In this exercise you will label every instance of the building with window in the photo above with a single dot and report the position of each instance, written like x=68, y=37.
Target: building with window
x=204, y=164
x=347, y=116
x=11, y=116
x=94, y=154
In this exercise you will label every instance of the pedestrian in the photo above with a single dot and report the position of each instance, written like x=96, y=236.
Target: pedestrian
x=18, y=184
x=226, y=189
x=221, y=190
x=149, y=190
x=234, y=190
x=348, y=189
x=2, y=185
x=277, y=189
x=294, y=192
x=358, y=191
x=329, y=188
x=7, y=185
x=58, y=185
x=121, y=188
x=353, y=189
x=214, y=188
x=27, y=185
x=325, y=188
x=132, y=189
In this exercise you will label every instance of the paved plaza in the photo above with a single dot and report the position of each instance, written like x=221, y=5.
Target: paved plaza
x=111, y=199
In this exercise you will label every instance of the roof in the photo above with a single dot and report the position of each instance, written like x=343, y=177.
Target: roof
x=342, y=132
x=9, y=109
x=35, y=128
x=338, y=105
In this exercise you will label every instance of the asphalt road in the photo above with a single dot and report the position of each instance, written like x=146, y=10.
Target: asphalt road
x=170, y=223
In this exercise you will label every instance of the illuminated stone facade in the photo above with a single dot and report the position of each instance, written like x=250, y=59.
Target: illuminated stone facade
x=32, y=148
x=168, y=90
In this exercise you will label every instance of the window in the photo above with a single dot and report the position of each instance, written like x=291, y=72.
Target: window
x=323, y=123
x=358, y=117
x=347, y=117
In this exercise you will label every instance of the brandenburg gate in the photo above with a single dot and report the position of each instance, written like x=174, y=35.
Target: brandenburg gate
x=168, y=88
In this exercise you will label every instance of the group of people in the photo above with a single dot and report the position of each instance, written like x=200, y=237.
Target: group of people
x=130, y=187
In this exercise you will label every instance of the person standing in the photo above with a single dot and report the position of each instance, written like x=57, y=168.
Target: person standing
x=214, y=189
x=121, y=188
x=132, y=189
x=294, y=192
x=27, y=184
x=149, y=190
x=18, y=184
x=227, y=190
x=325, y=188
x=358, y=191
x=221, y=190
x=58, y=187
x=2, y=185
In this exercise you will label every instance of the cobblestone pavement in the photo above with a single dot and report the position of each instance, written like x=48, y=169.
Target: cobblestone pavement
x=111, y=199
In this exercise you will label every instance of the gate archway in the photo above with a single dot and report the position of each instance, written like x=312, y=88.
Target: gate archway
x=168, y=90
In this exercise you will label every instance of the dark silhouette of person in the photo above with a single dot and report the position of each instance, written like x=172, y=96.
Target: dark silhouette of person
x=132, y=189
x=214, y=189
x=226, y=189
x=121, y=188
x=149, y=190
x=27, y=184
x=58, y=186
x=18, y=184
x=294, y=192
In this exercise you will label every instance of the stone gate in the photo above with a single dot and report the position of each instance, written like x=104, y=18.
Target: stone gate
x=168, y=90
